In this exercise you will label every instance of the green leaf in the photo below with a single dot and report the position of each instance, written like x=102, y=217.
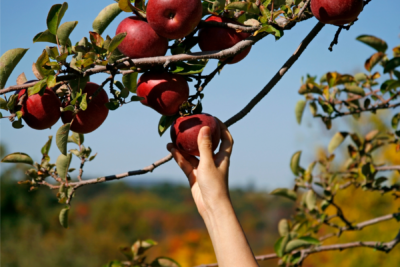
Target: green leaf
x=310, y=240
x=294, y=163
x=354, y=89
x=18, y=157
x=283, y=227
x=164, y=262
x=38, y=87
x=336, y=140
x=311, y=200
x=374, y=42
x=64, y=31
x=113, y=104
x=46, y=148
x=76, y=138
x=324, y=205
x=51, y=81
x=373, y=60
x=46, y=37
x=62, y=165
x=272, y=30
x=116, y=41
x=55, y=15
x=40, y=62
x=17, y=124
x=105, y=17
x=63, y=217
x=284, y=192
x=136, y=98
x=93, y=157
x=295, y=244
x=191, y=67
x=395, y=121
x=392, y=64
x=83, y=105
x=130, y=81
x=301, y=104
x=62, y=138
x=280, y=245
x=12, y=101
x=3, y=104
x=250, y=8
x=360, y=77
x=8, y=61
x=165, y=122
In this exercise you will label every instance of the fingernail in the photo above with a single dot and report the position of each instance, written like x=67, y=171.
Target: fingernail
x=205, y=132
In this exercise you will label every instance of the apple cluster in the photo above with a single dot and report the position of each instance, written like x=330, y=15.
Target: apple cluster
x=161, y=90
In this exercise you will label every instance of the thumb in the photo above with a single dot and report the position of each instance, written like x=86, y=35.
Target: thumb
x=204, y=143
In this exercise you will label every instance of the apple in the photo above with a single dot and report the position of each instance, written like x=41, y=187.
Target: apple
x=336, y=12
x=184, y=132
x=215, y=38
x=141, y=40
x=174, y=19
x=40, y=112
x=88, y=120
x=163, y=91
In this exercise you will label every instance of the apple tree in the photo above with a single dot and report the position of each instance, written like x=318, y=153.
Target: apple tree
x=224, y=31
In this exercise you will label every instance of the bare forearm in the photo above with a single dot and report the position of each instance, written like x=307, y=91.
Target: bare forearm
x=229, y=241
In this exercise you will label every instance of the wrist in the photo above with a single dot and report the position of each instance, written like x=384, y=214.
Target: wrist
x=217, y=210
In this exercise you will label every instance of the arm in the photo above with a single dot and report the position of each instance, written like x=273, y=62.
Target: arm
x=208, y=179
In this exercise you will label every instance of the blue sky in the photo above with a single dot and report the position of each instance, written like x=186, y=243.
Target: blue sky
x=264, y=140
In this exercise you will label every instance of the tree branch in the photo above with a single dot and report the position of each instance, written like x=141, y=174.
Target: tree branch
x=278, y=76
x=385, y=247
x=229, y=122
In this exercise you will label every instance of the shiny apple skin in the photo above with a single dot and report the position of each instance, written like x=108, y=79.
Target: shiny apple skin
x=336, y=12
x=88, y=120
x=185, y=130
x=141, y=40
x=174, y=19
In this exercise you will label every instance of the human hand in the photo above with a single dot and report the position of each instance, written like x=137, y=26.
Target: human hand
x=208, y=177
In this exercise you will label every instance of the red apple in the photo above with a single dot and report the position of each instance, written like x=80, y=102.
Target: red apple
x=141, y=40
x=184, y=132
x=163, y=91
x=40, y=112
x=174, y=19
x=88, y=120
x=336, y=12
x=215, y=38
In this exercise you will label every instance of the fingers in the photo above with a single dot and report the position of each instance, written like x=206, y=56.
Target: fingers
x=184, y=164
x=225, y=149
x=204, y=143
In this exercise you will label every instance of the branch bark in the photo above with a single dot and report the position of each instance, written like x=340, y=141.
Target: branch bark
x=229, y=122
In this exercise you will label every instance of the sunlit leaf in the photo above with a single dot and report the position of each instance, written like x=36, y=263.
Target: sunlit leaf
x=336, y=140
x=354, y=89
x=46, y=37
x=374, y=42
x=164, y=262
x=116, y=41
x=18, y=157
x=8, y=61
x=284, y=192
x=299, y=110
x=283, y=227
x=311, y=200
x=62, y=138
x=46, y=148
x=64, y=31
x=63, y=217
x=55, y=15
x=294, y=163
x=21, y=79
x=62, y=165
x=105, y=17
x=373, y=60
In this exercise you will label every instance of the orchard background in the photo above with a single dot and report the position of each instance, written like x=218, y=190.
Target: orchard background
x=264, y=143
